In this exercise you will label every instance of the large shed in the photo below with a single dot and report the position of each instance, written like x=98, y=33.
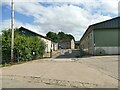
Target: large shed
x=102, y=38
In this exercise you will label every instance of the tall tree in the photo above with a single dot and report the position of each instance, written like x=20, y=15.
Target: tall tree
x=61, y=36
x=53, y=36
x=70, y=36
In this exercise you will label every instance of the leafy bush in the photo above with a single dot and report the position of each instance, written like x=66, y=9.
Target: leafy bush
x=6, y=47
x=0, y=48
x=23, y=47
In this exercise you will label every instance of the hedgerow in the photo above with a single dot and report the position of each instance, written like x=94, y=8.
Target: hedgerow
x=25, y=48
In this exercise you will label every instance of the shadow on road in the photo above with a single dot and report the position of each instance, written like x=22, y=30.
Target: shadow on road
x=69, y=54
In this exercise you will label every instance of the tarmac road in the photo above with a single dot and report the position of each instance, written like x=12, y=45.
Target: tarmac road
x=63, y=72
x=106, y=64
x=69, y=53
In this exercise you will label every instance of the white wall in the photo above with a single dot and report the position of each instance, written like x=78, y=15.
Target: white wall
x=110, y=50
x=48, y=43
x=72, y=44
x=55, y=46
x=52, y=46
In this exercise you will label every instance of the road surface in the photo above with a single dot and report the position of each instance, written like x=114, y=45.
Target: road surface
x=94, y=72
x=69, y=53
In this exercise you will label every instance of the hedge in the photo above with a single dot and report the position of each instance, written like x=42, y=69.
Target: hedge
x=25, y=48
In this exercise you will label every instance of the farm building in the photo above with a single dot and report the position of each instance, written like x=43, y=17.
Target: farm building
x=101, y=38
x=67, y=44
x=77, y=44
x=49, y=43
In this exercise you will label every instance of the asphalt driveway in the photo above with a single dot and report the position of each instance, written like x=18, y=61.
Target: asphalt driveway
x=62, y=72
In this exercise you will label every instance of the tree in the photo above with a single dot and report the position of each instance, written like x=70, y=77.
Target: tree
x=61, y=36
x=70, y=37
x=64, y=36
x=6, y=45
x=53, y=36
x=0, y=48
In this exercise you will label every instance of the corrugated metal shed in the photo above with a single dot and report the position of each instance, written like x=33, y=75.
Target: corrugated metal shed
x=112, y=23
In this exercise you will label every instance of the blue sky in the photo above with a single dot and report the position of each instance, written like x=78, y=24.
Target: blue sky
x=69, y=17
x=6, y=14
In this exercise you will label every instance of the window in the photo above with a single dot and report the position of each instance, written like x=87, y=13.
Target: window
x=23, y=33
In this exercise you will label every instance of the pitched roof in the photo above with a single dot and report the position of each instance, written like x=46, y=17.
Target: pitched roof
x=98, y=25
x=22, y=28
x=69, y=40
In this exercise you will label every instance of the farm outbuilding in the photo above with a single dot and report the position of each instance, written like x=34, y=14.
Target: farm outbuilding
x=77, y=44
x=49, y=43
x=67, y=44
x=102, y=38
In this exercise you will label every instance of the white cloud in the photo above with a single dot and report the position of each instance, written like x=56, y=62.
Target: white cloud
x=110, y=5
x=106, y=6
x=70, y=19
x=7, y=24
x=17, y=24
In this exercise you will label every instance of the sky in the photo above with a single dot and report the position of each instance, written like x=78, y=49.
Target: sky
x=58, y=15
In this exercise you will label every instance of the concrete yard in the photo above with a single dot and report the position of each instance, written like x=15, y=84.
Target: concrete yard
x=86, y=72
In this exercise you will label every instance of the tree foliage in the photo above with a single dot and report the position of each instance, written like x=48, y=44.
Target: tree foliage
x=61, y=36
x=53, y=36
x=0, y=48
x=23, y=47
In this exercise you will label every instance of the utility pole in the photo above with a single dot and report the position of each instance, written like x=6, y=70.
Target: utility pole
x=12, y=27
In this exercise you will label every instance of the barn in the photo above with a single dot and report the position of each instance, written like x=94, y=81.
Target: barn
x=49, y=43
x=102, y=38
x=67, y=44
